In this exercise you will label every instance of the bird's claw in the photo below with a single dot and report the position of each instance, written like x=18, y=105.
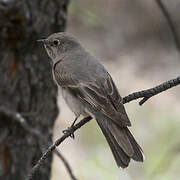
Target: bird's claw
x=69, y=130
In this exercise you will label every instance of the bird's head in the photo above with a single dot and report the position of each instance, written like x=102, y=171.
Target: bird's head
x=58, y=44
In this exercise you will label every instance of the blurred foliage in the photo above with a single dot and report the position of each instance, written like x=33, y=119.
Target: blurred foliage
x=88, y=15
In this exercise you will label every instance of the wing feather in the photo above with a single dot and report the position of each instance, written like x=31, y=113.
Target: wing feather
x=100, y=94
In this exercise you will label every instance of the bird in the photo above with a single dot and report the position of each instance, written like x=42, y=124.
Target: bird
x=89, y=90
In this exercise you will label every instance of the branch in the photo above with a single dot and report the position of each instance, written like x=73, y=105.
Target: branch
x=148, y=93
x=57, y=143
x=145, y=94
x=18, y=118
x=170, y=23
x=68, y=168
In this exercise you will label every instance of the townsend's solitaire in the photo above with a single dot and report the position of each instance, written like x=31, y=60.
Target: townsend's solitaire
x=88, y=89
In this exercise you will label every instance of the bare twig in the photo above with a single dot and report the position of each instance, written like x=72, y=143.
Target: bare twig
x=18, y=117
x=68, y=168
x=145, y=94
x=170, y=23
x=57, y=143
x=148, y=93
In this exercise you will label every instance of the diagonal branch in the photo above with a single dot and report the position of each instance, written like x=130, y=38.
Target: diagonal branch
x=148, y=93
x=66, y=164
x=20, y=119
x=170, y=23
x=145, y=94
x=57, y=143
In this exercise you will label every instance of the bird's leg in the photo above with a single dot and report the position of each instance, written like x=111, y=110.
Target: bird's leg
x=74, y=121
x=71, y=127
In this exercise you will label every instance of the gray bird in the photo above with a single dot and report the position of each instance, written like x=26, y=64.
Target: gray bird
x=89, y=90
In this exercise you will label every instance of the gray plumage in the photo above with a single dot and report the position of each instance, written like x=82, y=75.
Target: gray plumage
x=88, y=89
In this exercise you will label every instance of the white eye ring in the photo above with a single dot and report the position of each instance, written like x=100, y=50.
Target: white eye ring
x=56, y=42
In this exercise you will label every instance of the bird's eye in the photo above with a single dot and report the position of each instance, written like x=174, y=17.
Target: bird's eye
x=56, y=42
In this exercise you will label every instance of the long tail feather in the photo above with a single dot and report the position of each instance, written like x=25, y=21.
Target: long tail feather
x=121, y=142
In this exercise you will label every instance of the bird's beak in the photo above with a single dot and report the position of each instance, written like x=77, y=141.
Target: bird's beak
x=44, y=41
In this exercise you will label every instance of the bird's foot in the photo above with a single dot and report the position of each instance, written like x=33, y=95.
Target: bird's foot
x=68, y=130
x=71, y=128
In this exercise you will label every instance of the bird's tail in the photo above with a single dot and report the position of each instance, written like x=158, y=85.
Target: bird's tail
x=122, y=143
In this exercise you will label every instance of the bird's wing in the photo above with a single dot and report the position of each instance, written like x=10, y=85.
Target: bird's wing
x=102, y=95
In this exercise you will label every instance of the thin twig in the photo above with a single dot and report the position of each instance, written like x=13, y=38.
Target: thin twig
x=57, y=143
x=148, y=93
x=145, y=94
x=170, y=23
x=18, y=118
x=68, y=168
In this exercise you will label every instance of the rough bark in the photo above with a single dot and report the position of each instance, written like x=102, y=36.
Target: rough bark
x=26, y=84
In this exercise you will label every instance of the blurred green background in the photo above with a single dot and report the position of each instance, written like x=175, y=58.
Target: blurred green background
x=132, y=39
